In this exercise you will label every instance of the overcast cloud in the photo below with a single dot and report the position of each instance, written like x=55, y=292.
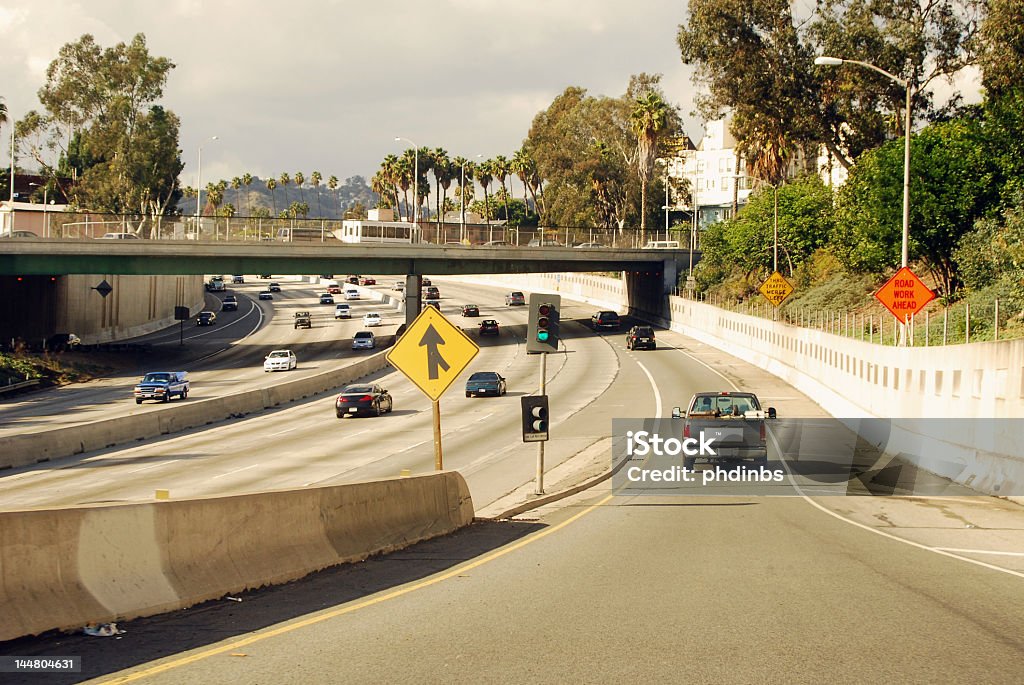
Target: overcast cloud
x=327, y=85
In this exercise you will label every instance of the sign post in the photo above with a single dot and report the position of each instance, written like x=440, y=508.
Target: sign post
x=432, y=353
x=904, y=295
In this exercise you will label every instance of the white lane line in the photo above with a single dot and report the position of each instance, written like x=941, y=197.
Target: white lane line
x=244, y=468
x=259, y=322
x=980, y=551
x=283, y=432
x=654, y=386
x=936, y=550
x=153, y=466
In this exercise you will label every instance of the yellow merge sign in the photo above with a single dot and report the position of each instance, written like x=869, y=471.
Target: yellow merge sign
x=432, y=352
x=776, y=289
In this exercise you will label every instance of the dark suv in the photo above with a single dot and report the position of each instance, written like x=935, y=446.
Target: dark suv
x=608, y=321
x=640, y=337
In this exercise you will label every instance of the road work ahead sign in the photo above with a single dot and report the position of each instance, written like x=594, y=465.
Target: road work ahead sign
x=776, y=289
x=432, y=352
x=904, y=295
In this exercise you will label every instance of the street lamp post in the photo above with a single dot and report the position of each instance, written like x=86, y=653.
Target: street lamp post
x=199, y=187
x=415, y=182
x=904, y=253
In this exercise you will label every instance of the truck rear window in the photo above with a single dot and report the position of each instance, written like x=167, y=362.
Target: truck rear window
x=723, y=405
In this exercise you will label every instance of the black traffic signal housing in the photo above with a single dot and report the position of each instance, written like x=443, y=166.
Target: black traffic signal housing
x=535, y=418
x=542, y=327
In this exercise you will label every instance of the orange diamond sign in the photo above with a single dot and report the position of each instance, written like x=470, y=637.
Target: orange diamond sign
x=904, y=295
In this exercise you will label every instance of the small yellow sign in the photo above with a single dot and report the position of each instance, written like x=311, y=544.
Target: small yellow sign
x=776, y=289
x=432, y=352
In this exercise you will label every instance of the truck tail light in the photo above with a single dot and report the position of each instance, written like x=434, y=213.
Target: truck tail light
x=762, y=432
x=686, y=430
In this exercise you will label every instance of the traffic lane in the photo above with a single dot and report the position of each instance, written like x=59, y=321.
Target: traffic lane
x=234, y=369
x=287, y=447
x=305, y=444
x=92, y=401
x=729, y=590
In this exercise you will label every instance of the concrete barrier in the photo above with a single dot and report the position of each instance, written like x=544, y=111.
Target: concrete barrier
x=850, y=378
x=61, y=569
x=28, y=448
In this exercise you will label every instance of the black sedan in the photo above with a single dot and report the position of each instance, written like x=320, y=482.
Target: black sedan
x=274, y=287
x=485, y=383
x=206, y=319
x=489, y=327
x=362, y=399
x=470, y=310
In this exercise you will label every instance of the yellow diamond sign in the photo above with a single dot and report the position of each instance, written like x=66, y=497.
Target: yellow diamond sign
x=776, y=289
x=432, y=352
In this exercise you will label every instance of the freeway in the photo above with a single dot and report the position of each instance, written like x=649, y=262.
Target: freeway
x=604, y=588
x=225, y=357
x=304, y=444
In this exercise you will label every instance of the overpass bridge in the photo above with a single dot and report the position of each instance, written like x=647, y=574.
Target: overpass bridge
x=36, y=266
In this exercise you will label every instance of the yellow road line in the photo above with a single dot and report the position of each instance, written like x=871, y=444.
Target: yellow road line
x=258, y=637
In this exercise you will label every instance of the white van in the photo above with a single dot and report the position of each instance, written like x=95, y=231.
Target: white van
x=662, y=245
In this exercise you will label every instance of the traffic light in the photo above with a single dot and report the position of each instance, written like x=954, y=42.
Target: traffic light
x=535, y=418
x=542, y=329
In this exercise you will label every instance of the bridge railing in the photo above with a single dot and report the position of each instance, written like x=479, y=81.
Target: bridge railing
x=90, y=226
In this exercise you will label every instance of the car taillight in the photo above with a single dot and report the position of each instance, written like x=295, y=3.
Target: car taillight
x=366, y=398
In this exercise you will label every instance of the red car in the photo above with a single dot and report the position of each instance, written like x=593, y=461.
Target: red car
x=334, y=290
x=367, y=281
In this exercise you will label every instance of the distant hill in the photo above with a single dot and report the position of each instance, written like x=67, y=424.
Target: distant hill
x=332, y=203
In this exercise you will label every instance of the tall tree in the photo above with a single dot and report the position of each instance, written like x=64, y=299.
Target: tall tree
x=108, y=96
x=284, y=180
x=271, y=185
x=300, y=179
x=1002, y=46
x=501, y=170
x=332, y=185
x=649, y=119
x=314, y=179
x=442, y=168
x=247, y=180
x=484, y=175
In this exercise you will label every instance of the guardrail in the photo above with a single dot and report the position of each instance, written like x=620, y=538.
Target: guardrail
x=11, y=387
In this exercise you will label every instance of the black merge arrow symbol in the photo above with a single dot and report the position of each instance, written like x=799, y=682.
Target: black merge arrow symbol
x=431, y=339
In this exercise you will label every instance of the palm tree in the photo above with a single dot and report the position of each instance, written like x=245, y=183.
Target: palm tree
x=332, y=185
x=648, y=119
x=236, y=184
x=485, y=174
x=390, y=171
x=501, y=172
x=315, y=179
x=520, y=166
x=271, y=184
x=379, y=184
x=284, y=180
x=3, y=116
x=442, y=167
x=403, y=173
x=300, y=179
x=247, y=180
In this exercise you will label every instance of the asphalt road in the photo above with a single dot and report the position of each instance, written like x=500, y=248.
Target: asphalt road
x=599, y=588
x=303, y=444
x=225, y=357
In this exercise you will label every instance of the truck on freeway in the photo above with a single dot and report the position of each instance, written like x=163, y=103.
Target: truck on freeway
x=162, y=385
x=734, y=421
x=216, y=284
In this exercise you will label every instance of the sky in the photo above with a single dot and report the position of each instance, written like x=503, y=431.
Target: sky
x=327, y=85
